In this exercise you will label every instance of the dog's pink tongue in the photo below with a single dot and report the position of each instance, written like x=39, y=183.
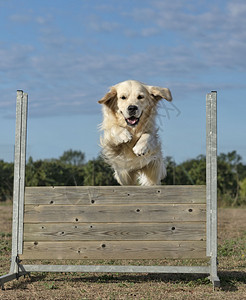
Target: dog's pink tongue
x=132, y=120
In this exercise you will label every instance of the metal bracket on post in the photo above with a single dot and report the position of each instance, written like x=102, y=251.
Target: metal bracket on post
x=211, y=183
x=19, y=187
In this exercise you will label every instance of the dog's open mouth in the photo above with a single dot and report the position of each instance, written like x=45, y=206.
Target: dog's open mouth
x=132, y=121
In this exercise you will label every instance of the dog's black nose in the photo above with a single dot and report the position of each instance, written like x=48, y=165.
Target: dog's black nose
x=132, y=109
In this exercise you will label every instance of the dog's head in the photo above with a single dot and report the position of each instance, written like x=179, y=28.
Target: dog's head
x=131, y=99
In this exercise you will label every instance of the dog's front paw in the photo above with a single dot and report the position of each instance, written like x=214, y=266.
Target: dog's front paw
x=140, y=149
x=123, y=136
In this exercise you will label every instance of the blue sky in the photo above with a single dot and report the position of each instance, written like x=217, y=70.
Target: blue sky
x=66, y=55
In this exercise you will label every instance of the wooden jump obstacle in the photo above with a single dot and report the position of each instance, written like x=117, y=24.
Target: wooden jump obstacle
x=114, y=222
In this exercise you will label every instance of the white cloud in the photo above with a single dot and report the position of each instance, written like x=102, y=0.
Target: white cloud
x=15, y=57
x=171, y=42
x=100, y=25
x=41, y=20
x=216, y=32
x=20, y=18
x=30, y=17
x=237, y=9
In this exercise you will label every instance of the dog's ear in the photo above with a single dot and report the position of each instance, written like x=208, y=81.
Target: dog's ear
x=159, y=93
x=109, y=98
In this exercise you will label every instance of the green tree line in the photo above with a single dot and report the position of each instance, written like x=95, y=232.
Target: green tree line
x=70, y=169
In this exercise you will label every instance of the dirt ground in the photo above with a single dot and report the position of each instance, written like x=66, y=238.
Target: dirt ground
x=231, y=269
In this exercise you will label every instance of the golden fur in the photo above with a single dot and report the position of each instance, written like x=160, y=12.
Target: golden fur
x=130, y=142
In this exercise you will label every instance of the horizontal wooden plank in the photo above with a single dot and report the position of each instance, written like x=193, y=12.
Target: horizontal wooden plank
x=115, y=195
x=115, y=231
x=114, y=250
x=115, y=213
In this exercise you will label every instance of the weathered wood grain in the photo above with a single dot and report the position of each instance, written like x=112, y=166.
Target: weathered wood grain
x=115, y=195
x=115, y=213
x=115, y=231
x=115, y=222
x=114, y=250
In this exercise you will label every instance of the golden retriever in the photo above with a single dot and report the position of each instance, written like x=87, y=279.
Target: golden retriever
x=130, y=142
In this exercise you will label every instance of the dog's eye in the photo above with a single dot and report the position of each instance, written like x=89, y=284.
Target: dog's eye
x=140, y=97
x=123, y=97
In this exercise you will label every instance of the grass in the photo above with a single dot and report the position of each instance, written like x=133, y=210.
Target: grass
x=5, y=244
x=232, y=272
x=233, y=247
x=50, y=285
